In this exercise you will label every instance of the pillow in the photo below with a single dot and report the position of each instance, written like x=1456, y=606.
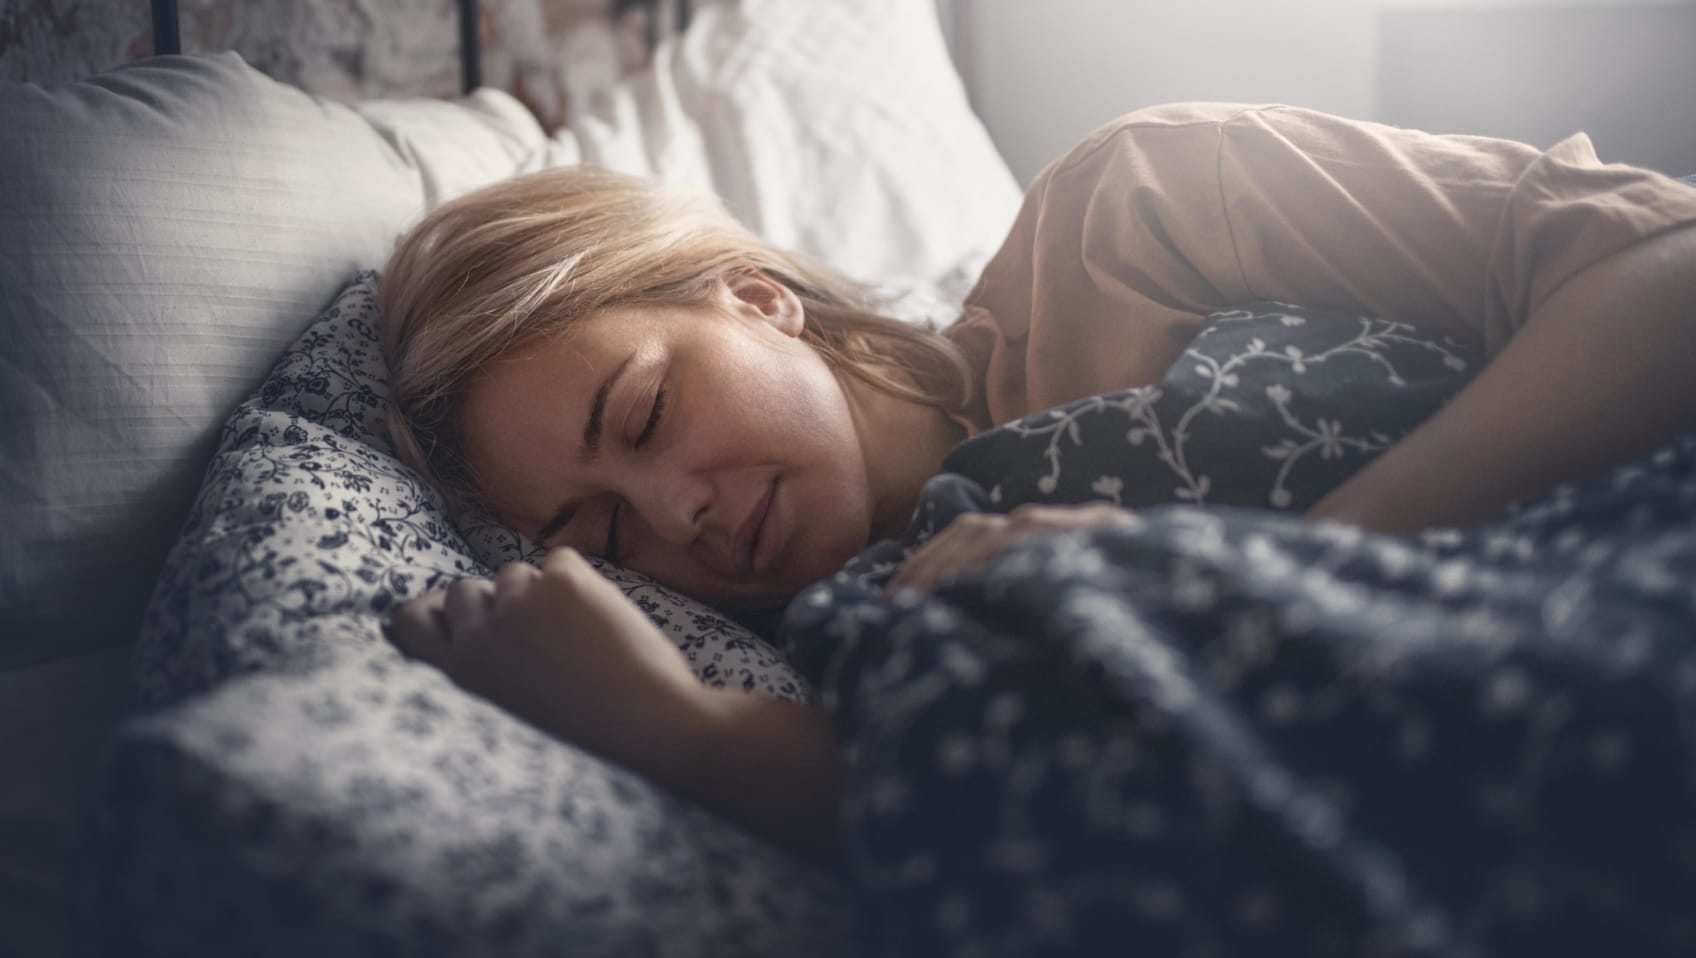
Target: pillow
x=456, y=146
x=167, y=229
x=837, y=128
x=371, y=808
x=327, y=790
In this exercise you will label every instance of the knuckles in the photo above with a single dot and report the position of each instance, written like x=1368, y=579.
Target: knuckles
x=566, y=567
x=410, y=621
x=514, y=574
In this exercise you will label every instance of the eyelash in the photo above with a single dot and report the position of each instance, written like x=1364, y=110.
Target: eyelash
x=611, y=548
x=653, y=419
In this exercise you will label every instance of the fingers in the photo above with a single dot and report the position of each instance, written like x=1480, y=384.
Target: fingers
x=466, y=605
x=581, y=593
x=564, y=562
x=426, y=627
x=515, y=577
x=965, y=544
x=567, y=567
x=419, y=628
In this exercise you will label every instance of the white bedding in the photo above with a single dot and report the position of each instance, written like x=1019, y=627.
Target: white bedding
x=836, y=128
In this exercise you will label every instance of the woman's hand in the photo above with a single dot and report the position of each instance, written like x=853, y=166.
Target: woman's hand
x=563, y=648
x=974, y=538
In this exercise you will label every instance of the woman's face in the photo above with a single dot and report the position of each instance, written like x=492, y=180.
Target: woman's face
x=707, y=446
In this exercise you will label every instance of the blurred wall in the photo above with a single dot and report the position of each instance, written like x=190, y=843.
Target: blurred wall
x=1625, y=73
x=1043, y=73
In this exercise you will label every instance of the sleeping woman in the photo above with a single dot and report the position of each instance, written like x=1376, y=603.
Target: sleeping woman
x=619, y=370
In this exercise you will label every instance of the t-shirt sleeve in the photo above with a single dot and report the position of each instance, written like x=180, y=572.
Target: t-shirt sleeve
x=1167, y=214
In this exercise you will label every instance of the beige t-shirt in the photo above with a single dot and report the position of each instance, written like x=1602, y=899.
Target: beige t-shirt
x=1170, y=213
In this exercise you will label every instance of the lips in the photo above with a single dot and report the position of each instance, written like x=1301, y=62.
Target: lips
x=748, y=534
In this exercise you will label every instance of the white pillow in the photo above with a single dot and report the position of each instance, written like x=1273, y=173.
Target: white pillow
x=834, y=127
x=459, y=145
x=166, y=230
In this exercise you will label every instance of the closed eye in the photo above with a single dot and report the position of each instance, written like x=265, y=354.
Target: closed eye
x=653, y=419
x=610, y=549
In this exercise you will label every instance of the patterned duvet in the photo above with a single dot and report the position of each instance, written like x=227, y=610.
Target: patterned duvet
x=1229, y=731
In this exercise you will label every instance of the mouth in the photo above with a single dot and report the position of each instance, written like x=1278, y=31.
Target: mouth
x=752, y=534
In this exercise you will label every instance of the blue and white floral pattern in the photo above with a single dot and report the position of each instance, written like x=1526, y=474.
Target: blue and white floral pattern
x=1231, y=731
x=301, y=788
x=1271, y=405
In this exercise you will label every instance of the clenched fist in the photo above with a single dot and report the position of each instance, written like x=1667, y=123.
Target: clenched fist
x=563, y=648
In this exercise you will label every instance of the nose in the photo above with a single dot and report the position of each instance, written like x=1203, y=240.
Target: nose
x=672, y=501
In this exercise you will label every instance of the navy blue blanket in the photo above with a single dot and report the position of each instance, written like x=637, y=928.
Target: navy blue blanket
x=1229, y=731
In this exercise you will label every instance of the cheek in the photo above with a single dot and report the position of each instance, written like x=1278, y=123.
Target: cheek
x=832, y=516
x=806, y=401
x=825, y=428
x=818, y=412
x=791, y=406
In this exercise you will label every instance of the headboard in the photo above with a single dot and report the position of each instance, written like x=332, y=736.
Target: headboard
x=546, y=53
x=167, y=30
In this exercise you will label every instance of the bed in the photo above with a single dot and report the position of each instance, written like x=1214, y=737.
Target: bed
x=207, y=529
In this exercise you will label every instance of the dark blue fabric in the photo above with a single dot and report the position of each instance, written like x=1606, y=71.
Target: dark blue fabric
x=1229, y=731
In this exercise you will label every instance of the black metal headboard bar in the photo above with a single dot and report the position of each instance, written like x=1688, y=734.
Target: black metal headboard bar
x=682, y=11
x=470, y=47
x=167, y=37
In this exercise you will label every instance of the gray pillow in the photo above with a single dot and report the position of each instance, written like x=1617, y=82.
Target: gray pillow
x=166, y=229
x=304, y=789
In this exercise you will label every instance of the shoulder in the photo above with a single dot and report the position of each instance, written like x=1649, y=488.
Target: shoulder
x=1169, y=124
x=1176, y=131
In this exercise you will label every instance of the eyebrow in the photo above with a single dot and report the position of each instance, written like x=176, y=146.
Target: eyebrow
x=593, y=427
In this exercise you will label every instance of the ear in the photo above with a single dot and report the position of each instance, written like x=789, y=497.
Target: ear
x=754, y=295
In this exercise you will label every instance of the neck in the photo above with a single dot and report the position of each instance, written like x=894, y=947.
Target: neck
x=904, y=444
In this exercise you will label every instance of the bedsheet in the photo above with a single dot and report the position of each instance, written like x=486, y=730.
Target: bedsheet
x=1228, y=731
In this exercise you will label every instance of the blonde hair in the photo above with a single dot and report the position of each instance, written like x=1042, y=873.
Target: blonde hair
x=525, y=259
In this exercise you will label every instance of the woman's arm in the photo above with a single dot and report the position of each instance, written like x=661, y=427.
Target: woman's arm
x=772, y=766
x=563, y=649
x=1606, y=370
